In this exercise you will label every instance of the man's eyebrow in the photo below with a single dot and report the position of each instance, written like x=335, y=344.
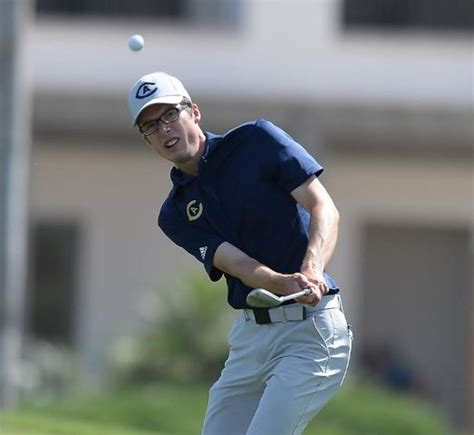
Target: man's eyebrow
x=155, y=117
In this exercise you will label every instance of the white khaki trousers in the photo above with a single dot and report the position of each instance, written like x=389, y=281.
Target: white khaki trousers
x=278, y=376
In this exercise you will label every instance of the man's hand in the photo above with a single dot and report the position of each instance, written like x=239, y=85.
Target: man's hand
x=295, y=282
x=319, y=287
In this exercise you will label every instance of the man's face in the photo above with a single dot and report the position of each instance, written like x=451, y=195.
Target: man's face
x=177, y=141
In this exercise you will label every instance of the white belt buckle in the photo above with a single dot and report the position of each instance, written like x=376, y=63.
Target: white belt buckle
x=287, y=313
x=294, y=312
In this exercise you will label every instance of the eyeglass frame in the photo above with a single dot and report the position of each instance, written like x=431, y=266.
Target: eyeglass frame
x=178, y=109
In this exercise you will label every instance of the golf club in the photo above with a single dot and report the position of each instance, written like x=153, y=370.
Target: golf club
x=261, y=298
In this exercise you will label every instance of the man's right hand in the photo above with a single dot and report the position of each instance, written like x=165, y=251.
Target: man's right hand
x=294, y=283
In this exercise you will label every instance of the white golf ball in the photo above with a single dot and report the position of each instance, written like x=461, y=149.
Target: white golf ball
x=136, y=42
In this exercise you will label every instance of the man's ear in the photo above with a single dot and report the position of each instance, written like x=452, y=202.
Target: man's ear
x=196, y=113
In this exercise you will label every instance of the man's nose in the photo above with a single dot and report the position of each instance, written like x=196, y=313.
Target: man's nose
x=165, y=128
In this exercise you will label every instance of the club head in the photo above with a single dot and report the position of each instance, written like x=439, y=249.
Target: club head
x=261, y=298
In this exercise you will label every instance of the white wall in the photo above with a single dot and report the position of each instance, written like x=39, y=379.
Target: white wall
x=292, y=49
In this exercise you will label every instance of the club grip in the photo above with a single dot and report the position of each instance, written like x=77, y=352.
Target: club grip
x=304, y=292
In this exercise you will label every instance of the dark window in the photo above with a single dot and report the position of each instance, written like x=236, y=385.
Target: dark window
x=52, y=281
x=114, y=8
x=409, y=14
x=417, y=297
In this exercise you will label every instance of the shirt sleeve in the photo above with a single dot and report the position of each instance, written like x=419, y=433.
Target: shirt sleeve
x=199, y=243
x=284, y=158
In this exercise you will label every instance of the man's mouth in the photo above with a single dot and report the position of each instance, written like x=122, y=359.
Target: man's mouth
x=170, y=143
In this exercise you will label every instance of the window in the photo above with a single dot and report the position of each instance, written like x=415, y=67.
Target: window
x=113, y=8
x=409, y=14
x=416, y=298
x=224, y=13
x=52, y=281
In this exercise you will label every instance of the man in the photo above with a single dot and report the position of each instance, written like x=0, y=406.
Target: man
x=249, y=206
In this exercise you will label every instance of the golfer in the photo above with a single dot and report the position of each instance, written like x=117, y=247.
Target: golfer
x=248, y=205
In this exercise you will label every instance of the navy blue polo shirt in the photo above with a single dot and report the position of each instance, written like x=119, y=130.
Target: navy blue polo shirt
x=241, y=195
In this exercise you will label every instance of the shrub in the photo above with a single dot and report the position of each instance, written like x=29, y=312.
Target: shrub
x=185, y=339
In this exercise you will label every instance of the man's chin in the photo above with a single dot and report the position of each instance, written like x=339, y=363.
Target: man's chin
x=180, y=159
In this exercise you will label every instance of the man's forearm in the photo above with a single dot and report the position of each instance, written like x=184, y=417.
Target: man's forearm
x=322, y=238
x=256, y=275
x=234, y=262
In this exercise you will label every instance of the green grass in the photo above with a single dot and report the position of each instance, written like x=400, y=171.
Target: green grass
x=166, y=409
x=153, y=410
x=32, y=423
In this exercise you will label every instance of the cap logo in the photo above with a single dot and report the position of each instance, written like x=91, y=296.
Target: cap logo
x=146, y=90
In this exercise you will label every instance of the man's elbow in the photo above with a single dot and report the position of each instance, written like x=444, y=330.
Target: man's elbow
x=328, y=210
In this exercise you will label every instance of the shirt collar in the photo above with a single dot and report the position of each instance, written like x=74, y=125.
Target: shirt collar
x=179, y=178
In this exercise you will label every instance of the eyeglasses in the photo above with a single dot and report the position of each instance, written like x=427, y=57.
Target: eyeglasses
x=167, y=118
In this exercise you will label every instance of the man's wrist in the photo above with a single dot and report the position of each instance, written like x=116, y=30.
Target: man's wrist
x=312, y=264
x=277, y=284
x=312, y=269
x=314, y=274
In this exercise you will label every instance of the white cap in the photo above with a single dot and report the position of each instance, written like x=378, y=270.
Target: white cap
x=155, y=88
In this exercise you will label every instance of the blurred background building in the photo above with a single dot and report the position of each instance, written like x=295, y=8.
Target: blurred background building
x=379, y=91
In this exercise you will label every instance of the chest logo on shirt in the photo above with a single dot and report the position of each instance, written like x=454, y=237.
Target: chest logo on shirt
x=194, y=210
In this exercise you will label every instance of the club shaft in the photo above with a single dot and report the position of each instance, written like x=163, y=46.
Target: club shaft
x=304, y=292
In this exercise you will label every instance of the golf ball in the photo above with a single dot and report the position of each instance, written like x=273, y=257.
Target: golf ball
x=136, y=42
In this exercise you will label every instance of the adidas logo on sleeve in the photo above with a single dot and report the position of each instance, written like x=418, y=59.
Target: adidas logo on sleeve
x=203, y=251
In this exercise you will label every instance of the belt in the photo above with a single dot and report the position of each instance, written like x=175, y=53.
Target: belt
x=291, y=312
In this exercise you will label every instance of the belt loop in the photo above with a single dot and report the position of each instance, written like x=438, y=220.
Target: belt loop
x=341, y=307
x=283, y=309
